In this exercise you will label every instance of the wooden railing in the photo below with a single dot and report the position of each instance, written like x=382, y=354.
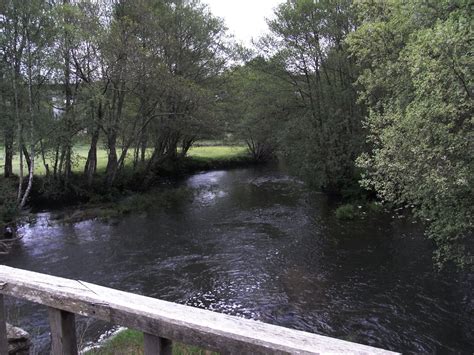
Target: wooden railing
x=162, y=322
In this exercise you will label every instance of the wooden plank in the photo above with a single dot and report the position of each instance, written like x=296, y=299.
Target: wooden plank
x=3, y=328
x=157, y=346
x=63, y=332
x=209, y=330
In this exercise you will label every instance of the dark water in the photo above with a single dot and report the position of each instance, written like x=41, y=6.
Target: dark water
x=256, y=243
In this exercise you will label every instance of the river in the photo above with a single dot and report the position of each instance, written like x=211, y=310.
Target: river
x=259, y=244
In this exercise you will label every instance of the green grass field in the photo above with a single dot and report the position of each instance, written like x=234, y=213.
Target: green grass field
x=130, y=342
x=217, y=152
x=207, y=153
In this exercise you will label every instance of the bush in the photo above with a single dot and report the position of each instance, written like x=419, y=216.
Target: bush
x=375, y=207
x=346, y=212
x=8, y=205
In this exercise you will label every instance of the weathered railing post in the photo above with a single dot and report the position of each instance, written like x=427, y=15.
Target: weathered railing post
x=157, y=346
x=63, y=332
x=3, y=328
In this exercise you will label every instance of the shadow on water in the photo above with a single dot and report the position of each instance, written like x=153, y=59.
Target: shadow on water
x=256, y=243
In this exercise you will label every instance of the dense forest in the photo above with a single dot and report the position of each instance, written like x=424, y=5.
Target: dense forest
x=363, y=99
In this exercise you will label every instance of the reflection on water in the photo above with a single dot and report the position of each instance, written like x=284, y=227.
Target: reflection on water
x=256, y=243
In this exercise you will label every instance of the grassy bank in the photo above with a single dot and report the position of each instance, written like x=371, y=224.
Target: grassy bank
x=130, y=342
x=137, y=195
x=133, y=190
x=109, y=209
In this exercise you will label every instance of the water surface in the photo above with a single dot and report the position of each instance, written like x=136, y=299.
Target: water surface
x=258, y=244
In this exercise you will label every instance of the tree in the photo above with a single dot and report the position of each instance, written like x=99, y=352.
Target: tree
x=25, y=39
x=256, y=104
x=13, y=42
x=417, y=82
x=185, y=48
x=325, y=135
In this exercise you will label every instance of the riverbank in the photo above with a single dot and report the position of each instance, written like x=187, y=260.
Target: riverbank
x=82, y=200
x=130, y=341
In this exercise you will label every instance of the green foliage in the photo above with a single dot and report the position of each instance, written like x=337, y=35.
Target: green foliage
x=154, y=199
x=124, y=75
x=131, y=342
x=110, y=206
x=256, y=101
x=346, y=212
x=322, y=134
x=140, y=82
x=124, y=342
x=374, y=207
x=417, y=82
x=8, y=203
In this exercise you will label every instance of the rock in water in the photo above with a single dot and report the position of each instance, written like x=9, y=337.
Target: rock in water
x=19, y=341
x=9, y=233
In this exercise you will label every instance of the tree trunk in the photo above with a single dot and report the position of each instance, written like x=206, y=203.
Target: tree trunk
x=186, y=145
x=56, y=162
x=91, y=163
x=20, y=138
x=31, y=157
x=112, y=162
x=66, y=157
x=61, y=161
x=27, y=156
x=68, y=161
x=8, y=138
x=43, y=156
x=143, y=144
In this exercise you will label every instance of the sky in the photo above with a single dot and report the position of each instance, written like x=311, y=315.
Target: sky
x=244, y=18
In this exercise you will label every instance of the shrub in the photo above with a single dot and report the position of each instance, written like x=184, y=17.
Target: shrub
x=346, y=212
x=375, y=207
x=8, y=205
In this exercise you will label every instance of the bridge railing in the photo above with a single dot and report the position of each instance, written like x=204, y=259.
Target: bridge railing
x=161, y=322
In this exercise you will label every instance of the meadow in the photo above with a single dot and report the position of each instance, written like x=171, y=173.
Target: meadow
x=205, y=152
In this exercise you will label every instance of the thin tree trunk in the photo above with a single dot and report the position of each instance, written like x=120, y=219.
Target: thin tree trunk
x=112, y=163
x=61, y=161
x=32, y=131
x=43, y=156
x=68, y=109
x=20, y=135
x=56, y=161
x=8, y=138
x=27, y=156
x=186, y=145
x=111, y=169
x=91, y=163
x=136, y=153
x=68, y=161
x=143, y=144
